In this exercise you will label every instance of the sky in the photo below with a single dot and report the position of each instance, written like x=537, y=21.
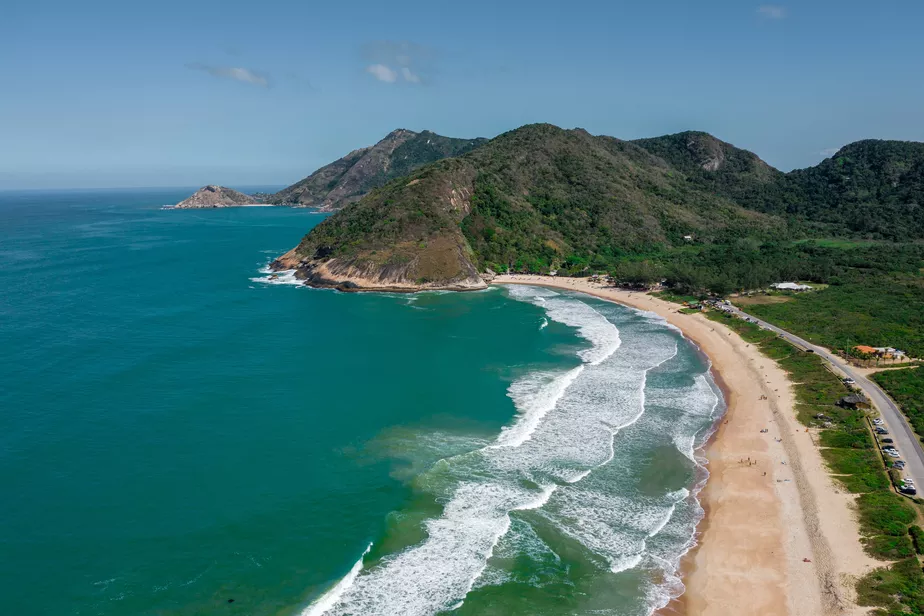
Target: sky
x=124, y=94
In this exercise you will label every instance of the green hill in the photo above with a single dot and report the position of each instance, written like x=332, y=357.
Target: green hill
x=871, y=188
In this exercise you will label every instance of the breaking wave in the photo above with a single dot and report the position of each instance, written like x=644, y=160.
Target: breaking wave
x=571, y=460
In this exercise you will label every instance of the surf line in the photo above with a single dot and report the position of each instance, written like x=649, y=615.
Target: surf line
x=330, y=598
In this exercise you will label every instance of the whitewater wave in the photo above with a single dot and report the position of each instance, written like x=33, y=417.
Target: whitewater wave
x=557, y=462
x=328, y=599
x=283, y=277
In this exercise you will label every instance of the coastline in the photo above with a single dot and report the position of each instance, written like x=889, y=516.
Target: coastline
x=778, y=535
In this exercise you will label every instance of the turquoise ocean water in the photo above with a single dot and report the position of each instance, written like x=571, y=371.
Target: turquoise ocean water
x=179, y=430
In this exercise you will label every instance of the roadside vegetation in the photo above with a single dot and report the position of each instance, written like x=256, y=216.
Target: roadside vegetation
x=906, y=387
x=886, y=519
x=867, y=293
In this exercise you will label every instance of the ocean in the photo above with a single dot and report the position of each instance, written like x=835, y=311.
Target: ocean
x=183, y=433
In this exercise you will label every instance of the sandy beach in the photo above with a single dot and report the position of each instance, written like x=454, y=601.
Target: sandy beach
x=779, y=536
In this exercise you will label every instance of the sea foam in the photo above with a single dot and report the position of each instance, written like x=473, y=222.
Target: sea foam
x=558, y=461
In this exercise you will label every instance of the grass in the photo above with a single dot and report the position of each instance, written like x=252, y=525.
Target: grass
x=753, y=300
x=676, y=298
x=849, y=450
x=882, y=311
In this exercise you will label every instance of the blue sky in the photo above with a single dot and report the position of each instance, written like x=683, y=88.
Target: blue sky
x=105, y=94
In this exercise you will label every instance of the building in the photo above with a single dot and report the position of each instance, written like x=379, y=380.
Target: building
x=791, y=286
x=854, y=401
x=881, y=352
x=890, y=353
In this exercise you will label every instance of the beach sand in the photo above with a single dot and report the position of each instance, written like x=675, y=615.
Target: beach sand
x=779, y=536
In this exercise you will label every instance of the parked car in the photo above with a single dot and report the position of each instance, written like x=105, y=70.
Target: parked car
x=893, y=453
x=878, y=421
x=910, y=490
x=886, y=440
x=899, y=464
x=881, y=431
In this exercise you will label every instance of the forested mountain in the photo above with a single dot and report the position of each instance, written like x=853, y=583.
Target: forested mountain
x=540, y=198
x=349, y=178
x=531, y=198
x=719, y=167
x=871, y=188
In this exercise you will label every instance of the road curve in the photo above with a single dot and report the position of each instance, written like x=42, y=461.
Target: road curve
x=899, y=429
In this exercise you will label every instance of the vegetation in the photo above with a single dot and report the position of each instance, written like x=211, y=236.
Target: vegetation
x=875, y=297
x=897, y=589
x=870, y=188
x=906, y=387
x=917, y=538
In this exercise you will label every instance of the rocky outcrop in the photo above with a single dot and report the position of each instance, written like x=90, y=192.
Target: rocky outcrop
x=212, y=196
x=445, y=259
x=409, y=249
x=348, y=179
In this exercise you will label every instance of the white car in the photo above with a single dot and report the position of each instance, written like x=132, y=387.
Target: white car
x=878, y=421
x=893, y=453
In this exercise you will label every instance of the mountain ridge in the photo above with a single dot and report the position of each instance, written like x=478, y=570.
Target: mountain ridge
x=349, y=178
x=540, y=197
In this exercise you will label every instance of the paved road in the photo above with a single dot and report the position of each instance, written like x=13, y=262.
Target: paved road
x=900, y=431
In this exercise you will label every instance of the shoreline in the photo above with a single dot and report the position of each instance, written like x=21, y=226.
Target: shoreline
x=777, y=536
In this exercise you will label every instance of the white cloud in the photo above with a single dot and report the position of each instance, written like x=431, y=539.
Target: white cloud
x=230, y=72
x=382, y=73
x=399, y=61
x=772, y=11
x=409, y=76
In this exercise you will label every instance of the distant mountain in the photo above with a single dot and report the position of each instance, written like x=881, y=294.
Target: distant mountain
x=346, y=180
x=212, y=196
x=533, y=198
x=720, y=167
x=872, y=188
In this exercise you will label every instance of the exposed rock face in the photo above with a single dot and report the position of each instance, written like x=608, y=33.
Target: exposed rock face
x=411, y=250
x=347, y=180
x=212, y=196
